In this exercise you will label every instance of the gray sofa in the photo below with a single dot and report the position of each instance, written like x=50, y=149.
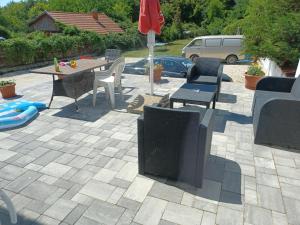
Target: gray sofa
x=206, y=71
x=276, y=112
x=174, y=143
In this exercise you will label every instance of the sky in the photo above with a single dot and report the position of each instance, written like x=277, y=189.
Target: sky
x=4, y=2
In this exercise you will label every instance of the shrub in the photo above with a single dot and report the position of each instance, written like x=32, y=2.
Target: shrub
x=4, y=32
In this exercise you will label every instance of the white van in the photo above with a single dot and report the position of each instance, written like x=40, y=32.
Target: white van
x=227, y=47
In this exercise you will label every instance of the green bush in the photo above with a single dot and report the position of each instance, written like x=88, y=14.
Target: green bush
x=4, y=32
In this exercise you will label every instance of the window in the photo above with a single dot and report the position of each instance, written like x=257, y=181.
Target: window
x=214, y=42
x=232, y=42
x=196, y=43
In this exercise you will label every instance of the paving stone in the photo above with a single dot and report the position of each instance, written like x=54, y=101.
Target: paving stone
x=187, y=199
x=20, y=201
x=165, y=222
x=227, y=216
x=7, y=144
x=98, y=190
x=257, y=216
x=82, y=199
x=109, y=151
x=166, y=192
x=129, y=204
x=205, y=205
x=232, y=182
x=79, y=162
x=151, y=211
x=264, y=162
x=293, y=210
x=6, y=154
x=208, y=218
x=267, y=179
x=104, y=213
x=86, y=221
x=60, y=209
x=105, y=175
x=120, y=183
x=250, y=196
x=55, y=169
x=288, y=172
x=115, y=164
x=290, y=191
x=39, y=191
x=139, y=189
x=47, y=158
x=47, y=220
x=270, y=198
x=122, y=136
x=279, y=218
x=76, y=213
x=116, y=195
x=11, y=172
x=128, y=172
x=210, y=191
x=37, y=206
x=182, y=214
x=23, y=181
x=82, y=177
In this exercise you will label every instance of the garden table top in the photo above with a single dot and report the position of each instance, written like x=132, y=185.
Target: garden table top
x=82, y=66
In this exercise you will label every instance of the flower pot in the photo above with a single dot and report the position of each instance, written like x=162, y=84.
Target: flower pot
x=157, y=75
x=251, y=81
x=8, y=91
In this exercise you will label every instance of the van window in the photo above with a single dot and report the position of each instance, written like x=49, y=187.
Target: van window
x=232, y=42
x=196, y=43
x=213, y=42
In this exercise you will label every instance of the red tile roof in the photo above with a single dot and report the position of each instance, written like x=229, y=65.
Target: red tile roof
x=84, y=21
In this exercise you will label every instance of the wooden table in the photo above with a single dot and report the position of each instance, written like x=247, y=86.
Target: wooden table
x=73, y=82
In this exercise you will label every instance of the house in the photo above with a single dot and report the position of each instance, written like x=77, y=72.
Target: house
x=94, y=21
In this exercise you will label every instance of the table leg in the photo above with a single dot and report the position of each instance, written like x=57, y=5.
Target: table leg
x=53, y=79
x=184, y=104
x=111, y=94
x=214, y=101
x=76, y=105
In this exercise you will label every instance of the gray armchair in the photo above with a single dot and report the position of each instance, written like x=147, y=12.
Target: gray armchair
x=276, y=112
x=174, y=143
x=206, y=71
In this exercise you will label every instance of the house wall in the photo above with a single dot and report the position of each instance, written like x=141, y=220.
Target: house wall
x=45, y=23
x=271, y=68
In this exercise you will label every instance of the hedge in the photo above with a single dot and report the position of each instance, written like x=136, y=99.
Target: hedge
x=36, y=47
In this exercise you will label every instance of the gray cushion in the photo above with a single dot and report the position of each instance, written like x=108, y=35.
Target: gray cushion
x=205, y=79
x=296, y=88
x=208, y=66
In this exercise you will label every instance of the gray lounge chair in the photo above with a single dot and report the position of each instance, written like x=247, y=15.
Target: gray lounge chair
x=206, y=71
x=174, y=143
x=276, y=112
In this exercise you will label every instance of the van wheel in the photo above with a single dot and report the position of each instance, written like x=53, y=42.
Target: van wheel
x=194, y=57
x=231, y=59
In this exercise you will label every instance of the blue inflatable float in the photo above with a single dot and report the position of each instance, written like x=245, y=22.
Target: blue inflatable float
x=14, y=114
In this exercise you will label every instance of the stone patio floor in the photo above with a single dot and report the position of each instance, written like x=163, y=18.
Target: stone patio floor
x=69, y=167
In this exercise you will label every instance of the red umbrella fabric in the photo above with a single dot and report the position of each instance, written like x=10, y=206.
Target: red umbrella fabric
x=150, y=17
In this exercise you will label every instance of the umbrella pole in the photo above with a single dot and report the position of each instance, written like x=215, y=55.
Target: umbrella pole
x=150, y=44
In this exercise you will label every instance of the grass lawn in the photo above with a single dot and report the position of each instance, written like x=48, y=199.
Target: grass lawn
x=171, y=49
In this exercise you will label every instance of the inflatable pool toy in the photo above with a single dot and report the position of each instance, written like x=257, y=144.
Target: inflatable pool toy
x=14, y=114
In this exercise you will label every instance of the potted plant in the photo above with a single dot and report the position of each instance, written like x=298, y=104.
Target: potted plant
x=158, y=68
x=253, y=75
x=7, y=88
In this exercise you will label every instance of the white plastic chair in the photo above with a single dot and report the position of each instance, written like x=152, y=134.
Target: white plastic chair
x=110, y=79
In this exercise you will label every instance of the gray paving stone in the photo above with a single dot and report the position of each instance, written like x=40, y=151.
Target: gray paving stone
x=267, y=179
x=6, y=154
x=23, y=181
x=290, y=191
x=104, y=213
x=166, y=192
x=39, y=190
x=128, y=172
x=270, y=198
x=182, y=214
x=115, y=164
x=47, y=158
x=257, y=216
x=139, y=189
x=55, y=169
x=82, y=177
x=11, y=172
x=60, y=209
x=151, y=211
x=129, y=204
x=98, y=190
x=37, y=206
x=232, y=182
x=227, y=216
x=208, y=218
x=279, y=218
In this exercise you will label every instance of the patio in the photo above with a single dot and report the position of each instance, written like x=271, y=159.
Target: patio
x=69, y=167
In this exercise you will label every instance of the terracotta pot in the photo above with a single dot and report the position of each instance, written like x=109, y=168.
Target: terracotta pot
x=251, y=81
x=8, y=91
x=157, y=75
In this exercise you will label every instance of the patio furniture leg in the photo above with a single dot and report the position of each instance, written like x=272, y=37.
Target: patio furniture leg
x=94, y=94
x=171, y=104
x=10, y=207
x=214, y=101
x=121, y=92
x=76, y=105
x=53, y=79
x=111, y=92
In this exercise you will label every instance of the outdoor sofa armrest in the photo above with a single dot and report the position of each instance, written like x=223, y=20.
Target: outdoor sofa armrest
x=192, y=71
x=278, y=123
x=204, y=143
x=140, y=129
x=279, y=84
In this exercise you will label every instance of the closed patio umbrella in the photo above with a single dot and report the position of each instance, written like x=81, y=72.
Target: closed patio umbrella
x=151, y=21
